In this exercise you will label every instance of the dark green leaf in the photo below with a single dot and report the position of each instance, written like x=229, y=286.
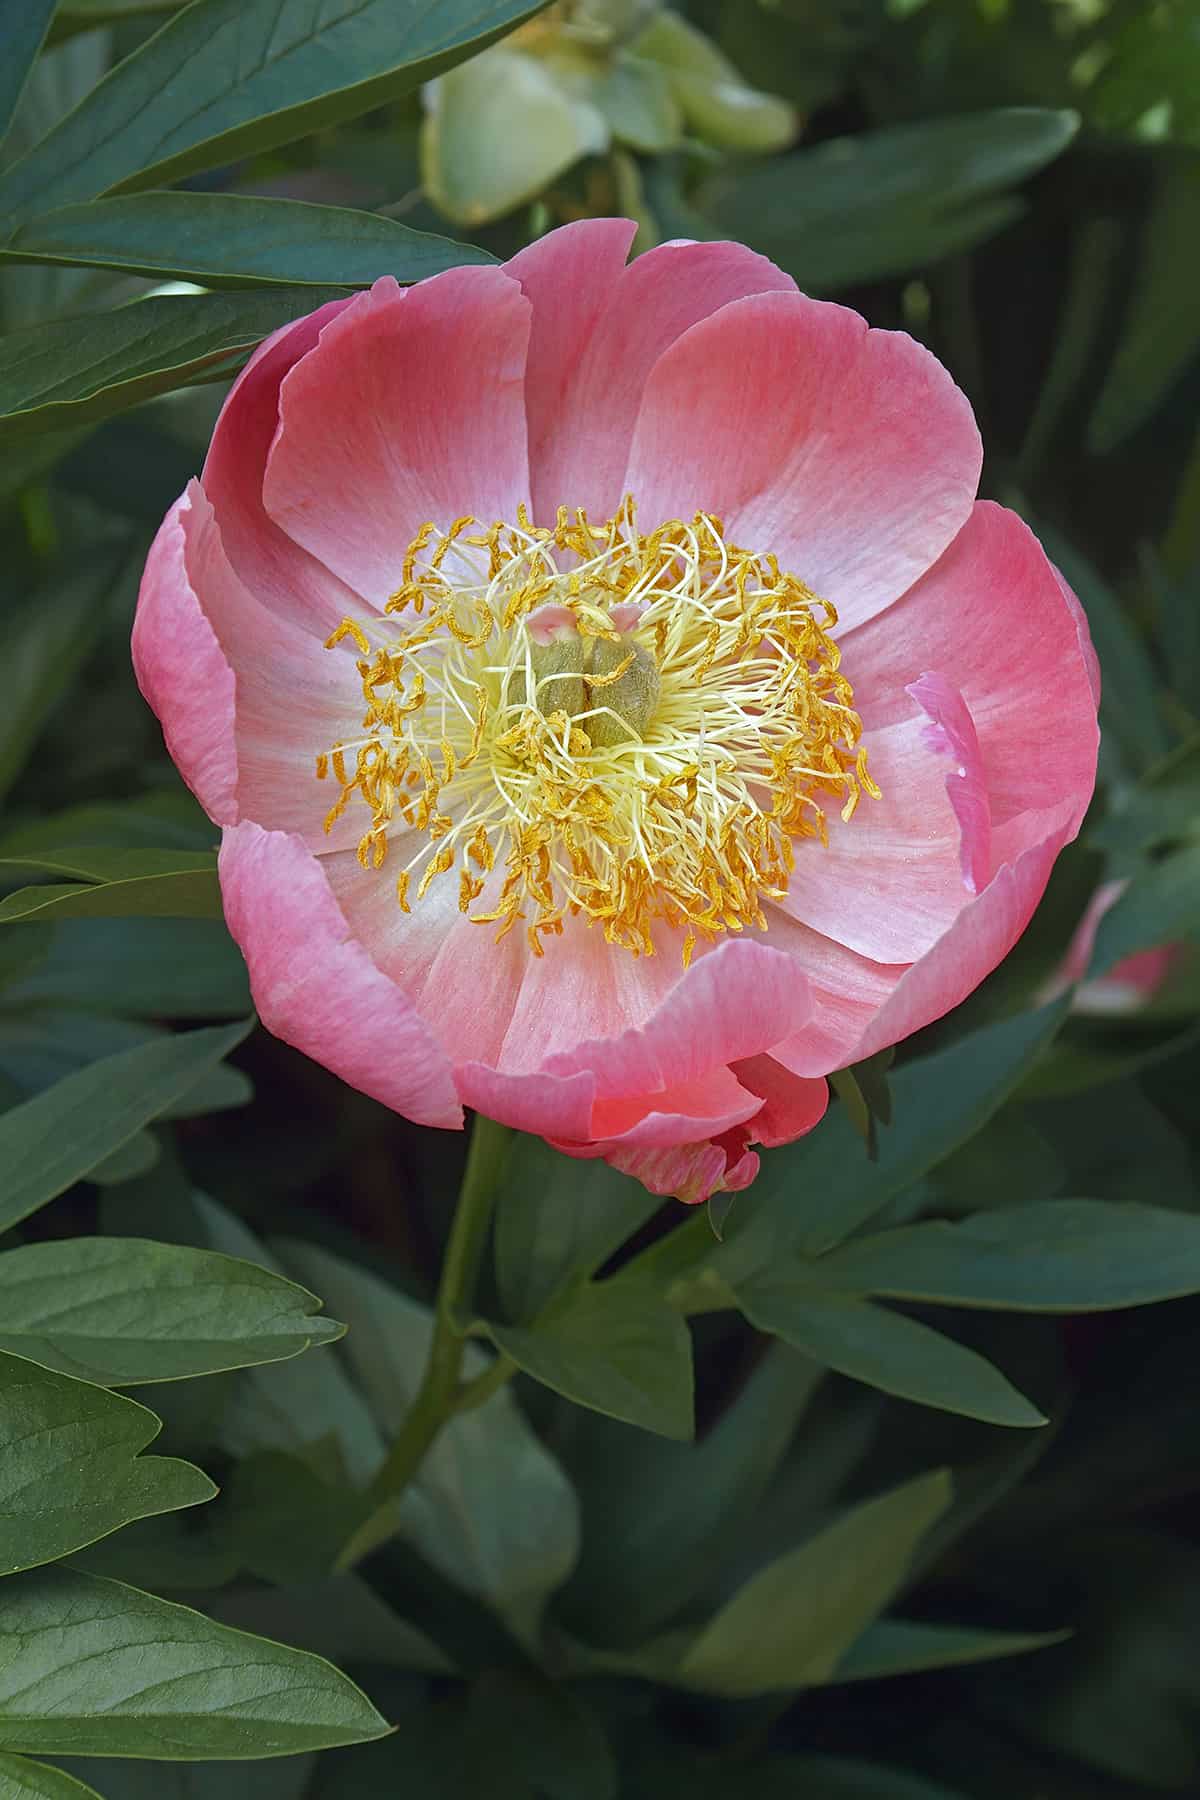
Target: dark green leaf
x=132, y=1160
x=888, y=201
x=1054, y=1256
x=170, y=819
x=40, y=1045
x=1075, y=1067
x=1160, y=904
x=237, y=240
x=188, y=1552
x=71, y=1469
x=52, y=1140
x=21, y=1779
x=491, y=1508
x=885, y=1349
x=1164, y=805
x=557, y=1217
x=337, y=1616
x=1162, y=331
x=626, y=1354
x=45, y=645
x=816, y=1193
x=138, y=968
x=286, y=1778
x=23, y=25
x=117, y=884
x=656, y=1513
x=1128, y=704
x=55, y=375
x=93, y=1667
x=123, y=1310
x=902, y=1646
x=227, y=78
x=557, y=1747
x=793, y=1622
x=286, y=1520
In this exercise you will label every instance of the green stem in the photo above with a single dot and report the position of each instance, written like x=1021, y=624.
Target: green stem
x=498, y=1373
x=439, y=1395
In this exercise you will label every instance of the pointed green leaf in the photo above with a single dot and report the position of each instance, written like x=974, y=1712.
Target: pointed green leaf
x=46, y=642
x=179, y=894
x=791, y=1624
x=490, y=1508
x=227, y=78
x=54, y=1139
x=1129, y=711
x=655, y=1511
x=237, y=240
x=23, y=25
x=1052, y=1256
x=41, y=1044
x=70, y=1469
x=903, y=1646
x=92, y=1667
x=898, y=1355
x=557, y=1217
x=55, y=375
x=138, y=969
x=21, y=1779
x=123, y=1310
x=814, y=1193
x=285, y=1778
x=626, y=1354
x=1162, y=332
x=884, y=202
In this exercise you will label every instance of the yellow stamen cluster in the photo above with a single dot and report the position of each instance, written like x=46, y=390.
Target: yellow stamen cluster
x=482, y=751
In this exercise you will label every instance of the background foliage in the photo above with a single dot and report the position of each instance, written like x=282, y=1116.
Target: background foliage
x=889, y=1489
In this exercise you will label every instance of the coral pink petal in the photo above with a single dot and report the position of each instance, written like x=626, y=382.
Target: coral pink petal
x=410, y=408
x=317, y=989
x=553, y=1106
x=276, y=570
x=453, y=971
x=704, y=1107
x=951, y=733
x=739, y=999
x=1075, y=608
x=889, y=882
x=182, y=672
x=598, y=329
x=847, y=992
x=982, y=936
x=792, y=1105
x=692, y=1173
x=292, y=697
x=581, y=990
x=996, y=621
x=849, y=453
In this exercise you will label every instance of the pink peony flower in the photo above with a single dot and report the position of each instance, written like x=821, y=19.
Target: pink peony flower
x=1131, y=983
x=619, y=709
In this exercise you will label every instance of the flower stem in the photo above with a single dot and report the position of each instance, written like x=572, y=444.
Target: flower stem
x=440, y=1394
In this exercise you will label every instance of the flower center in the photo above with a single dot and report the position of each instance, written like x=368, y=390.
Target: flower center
x=628, y=726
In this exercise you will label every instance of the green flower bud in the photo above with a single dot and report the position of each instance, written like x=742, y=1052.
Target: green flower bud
x=498, y=130
x=717, y=104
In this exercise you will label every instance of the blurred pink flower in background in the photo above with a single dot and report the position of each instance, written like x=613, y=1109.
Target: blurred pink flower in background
x=1131, y=983
x=620, y=710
